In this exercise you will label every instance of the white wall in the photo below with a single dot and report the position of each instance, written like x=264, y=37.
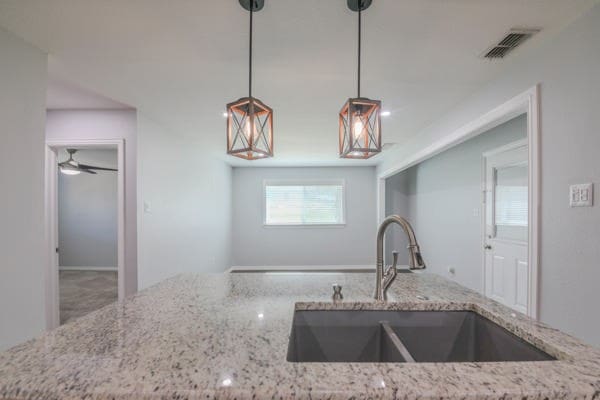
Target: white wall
x=186, y=226
x=107, y=124
x=87, y=212
x=567, y=68
x=442, y=199
x=257, y=245
x=22, y=115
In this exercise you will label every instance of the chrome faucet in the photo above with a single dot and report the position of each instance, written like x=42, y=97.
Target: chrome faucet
x=385, y=276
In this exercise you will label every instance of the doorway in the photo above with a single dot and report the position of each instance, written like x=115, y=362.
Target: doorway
x=87, y=230
x=84, y=227
x=506, y=225
x=525, y=103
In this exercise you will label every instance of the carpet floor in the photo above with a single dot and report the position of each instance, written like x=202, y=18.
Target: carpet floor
x=82, y=292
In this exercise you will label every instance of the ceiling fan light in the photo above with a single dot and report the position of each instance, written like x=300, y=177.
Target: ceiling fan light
x=69, y=171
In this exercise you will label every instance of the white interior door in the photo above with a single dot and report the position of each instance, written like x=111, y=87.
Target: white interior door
x=506, y=226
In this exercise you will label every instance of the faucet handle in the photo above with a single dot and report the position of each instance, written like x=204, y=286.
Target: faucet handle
x=395, y=258
x=337, y=292
x=388, y=268
x=390, y=273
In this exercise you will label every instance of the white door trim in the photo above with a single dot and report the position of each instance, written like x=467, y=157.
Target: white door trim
x=51, y=218
x=510, y=146
x=524, y=103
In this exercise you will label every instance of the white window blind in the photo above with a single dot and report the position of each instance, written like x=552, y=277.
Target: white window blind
x=511, y=205
x=511, y=196
x=304, y=204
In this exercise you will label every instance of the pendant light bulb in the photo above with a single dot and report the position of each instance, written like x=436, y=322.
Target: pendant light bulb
x=358, y=126
x=251, y=134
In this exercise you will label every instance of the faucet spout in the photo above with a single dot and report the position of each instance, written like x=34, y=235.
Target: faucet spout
x=384, y=276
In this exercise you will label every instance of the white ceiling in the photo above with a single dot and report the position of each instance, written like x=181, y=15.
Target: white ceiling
x=181, y=61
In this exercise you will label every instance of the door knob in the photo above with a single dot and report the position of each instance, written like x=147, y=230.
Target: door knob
x=487, y=247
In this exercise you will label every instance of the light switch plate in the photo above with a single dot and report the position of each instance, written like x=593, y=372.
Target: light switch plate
x=582, y=195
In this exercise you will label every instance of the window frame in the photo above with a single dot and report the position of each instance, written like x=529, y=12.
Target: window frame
x=303, y=182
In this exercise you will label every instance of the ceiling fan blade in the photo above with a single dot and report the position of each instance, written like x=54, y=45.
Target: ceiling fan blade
x=70, y=167
x=85, y=166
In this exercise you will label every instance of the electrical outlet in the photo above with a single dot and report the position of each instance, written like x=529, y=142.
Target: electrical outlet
x=581, y=195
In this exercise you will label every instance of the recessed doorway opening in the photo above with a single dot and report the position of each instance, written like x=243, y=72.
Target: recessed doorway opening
x=84, y=227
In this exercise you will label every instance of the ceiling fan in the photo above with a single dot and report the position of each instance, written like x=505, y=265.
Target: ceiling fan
x=72, y=167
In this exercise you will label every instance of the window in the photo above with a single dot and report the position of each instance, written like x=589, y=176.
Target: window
x=511, y=196
x=304, y=203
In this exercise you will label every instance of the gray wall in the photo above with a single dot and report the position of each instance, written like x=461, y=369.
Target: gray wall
x=442, y=199
x=566, y=67
x=187, y=224
x=22, y=260
x=87, y=212
x=397, y=202
x=257, y=245
x=107, y=124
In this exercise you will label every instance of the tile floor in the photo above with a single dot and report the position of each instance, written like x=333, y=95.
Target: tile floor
x=84, y=291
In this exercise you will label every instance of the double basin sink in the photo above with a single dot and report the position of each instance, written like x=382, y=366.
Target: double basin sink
x=404, y=336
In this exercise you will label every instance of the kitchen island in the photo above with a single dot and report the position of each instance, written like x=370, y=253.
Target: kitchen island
x=203, y=336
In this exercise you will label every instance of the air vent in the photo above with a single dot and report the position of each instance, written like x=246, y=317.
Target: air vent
x=509, y=42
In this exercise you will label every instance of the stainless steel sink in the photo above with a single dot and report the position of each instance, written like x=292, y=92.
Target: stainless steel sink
x=404, y=336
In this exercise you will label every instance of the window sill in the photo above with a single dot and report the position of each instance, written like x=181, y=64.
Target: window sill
x=309, y=226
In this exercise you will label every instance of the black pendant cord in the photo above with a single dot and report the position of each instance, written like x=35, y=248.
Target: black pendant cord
x=359, y=40
x=250, y=52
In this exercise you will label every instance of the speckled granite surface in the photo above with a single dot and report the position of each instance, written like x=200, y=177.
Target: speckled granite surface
x=225, y=336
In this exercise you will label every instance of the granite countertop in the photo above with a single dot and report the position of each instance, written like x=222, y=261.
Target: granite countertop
x=226, y=336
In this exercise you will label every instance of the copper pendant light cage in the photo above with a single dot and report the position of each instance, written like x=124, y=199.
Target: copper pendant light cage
x=249, y=129
x=249, y=120
x=360, y=118
x=360, y=128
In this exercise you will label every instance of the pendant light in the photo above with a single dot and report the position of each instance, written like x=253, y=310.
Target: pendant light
x=360, y=120
x=249, y=120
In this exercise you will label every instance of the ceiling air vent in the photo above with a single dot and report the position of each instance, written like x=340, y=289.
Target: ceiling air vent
x=510, y=41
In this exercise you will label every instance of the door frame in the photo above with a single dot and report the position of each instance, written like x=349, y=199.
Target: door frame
x=52, y=300
x=527, y=103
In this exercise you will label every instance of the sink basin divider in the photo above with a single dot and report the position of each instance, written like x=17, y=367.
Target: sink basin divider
x=396, y=341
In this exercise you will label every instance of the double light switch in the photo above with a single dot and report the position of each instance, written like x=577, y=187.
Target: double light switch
x=582, y=195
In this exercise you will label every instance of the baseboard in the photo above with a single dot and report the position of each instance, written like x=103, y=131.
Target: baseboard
x=87, y=269
x=301, y=268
